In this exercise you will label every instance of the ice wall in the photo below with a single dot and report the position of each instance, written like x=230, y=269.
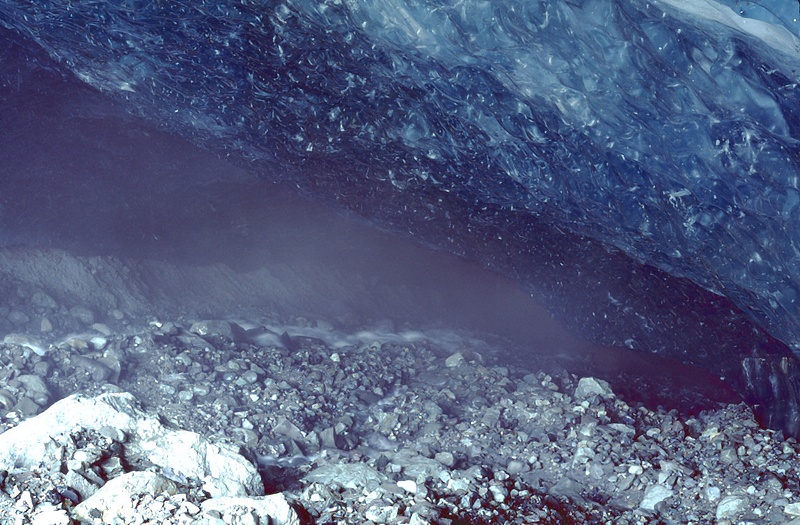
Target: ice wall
x=636, y=163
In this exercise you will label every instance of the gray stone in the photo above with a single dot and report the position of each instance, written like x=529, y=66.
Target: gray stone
x=589, y=386
x=381, y=513
x=653, y=495
x=445, y=458
x=349, y=476
x=415, y=466
x=18, y=317
x=582, y=455
x=454, y=360
x=77, y=482
x=730, y=506
x=35, y=387
x=213, y=327
x=515, y=467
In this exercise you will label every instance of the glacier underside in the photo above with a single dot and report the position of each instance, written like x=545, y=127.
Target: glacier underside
x=635, y=163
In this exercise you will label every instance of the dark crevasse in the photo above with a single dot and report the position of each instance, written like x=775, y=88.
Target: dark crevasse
x=635, y=164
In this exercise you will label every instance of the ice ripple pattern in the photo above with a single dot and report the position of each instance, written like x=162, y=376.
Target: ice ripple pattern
x=667, y=130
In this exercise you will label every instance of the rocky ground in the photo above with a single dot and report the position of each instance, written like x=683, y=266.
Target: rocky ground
x=193, y=422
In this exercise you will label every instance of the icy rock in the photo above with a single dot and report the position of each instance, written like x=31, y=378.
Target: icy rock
x=223, y=471
x=589, y=386
x=274, y=509
x=350, y=476
x=116, y=496
x=653, y=495
x=730, y=506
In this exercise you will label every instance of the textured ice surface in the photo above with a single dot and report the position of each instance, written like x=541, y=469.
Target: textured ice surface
x=573, y=135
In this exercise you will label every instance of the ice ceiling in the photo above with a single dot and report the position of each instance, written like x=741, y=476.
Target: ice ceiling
x=634, y=162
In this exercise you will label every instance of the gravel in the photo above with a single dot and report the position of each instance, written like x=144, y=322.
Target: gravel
x=371, y=427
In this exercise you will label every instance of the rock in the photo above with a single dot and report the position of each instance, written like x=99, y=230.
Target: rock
x=84, y=315
x=50, y=516
x=445, y=458
x=274, y=509
x=288, y=429
x=582, y=455
x=349, y=476
x=408, y=485
x=589, y=386
x=515, y=467
x=18, y=317
x=78, y=482
x=33, y=344
x=380, y=513
x=221, y=469
x=712, y=493
x=35, y=388
x=653, y=495
x=454, y=360
x=730, y=506
x=116, y=496
x=213, y=327
x=101, y=328
x=415, y=466
x=792, y=509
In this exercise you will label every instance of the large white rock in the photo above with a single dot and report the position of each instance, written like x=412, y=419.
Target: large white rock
x=116, y=497
x=220, y=467
x=273, y=509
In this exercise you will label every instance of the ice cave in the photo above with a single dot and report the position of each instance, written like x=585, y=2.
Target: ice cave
x=610, y=186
